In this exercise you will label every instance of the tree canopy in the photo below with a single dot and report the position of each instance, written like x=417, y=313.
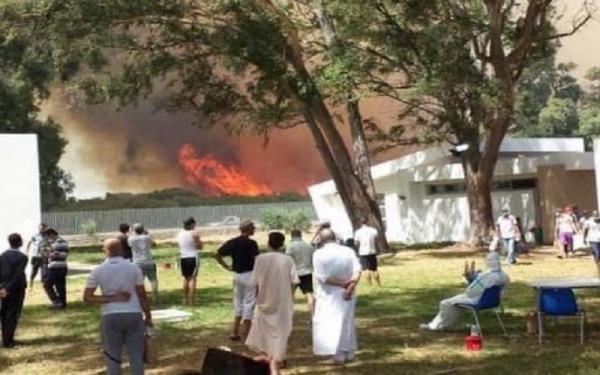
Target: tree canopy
x=24, y=80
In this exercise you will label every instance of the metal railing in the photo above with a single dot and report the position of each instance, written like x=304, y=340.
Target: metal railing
x=163, y=218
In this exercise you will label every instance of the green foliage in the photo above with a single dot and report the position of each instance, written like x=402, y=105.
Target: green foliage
x=24, y=80
x=559, y=118
x=285, y=220
x=168, y=198
x=89, y=228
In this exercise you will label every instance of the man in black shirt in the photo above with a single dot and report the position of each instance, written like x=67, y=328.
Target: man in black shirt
x=12, y=288
x=243, y=252
x=123, y=238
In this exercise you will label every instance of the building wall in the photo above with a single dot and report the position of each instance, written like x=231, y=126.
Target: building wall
x=559, y=187
x=20, y=187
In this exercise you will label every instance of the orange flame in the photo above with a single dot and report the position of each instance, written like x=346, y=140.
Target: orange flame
x=216, y=178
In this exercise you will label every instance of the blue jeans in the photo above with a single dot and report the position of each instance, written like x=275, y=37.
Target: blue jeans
x=509, y=246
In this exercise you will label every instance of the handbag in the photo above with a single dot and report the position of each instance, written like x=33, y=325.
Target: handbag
x=150, y=350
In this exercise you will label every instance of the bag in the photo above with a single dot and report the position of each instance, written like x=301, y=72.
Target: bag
x=150, y=350
x=223, y=362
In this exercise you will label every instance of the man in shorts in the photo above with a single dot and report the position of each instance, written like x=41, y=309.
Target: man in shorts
x=302, y=252
x=243, y=251
x=189, y=246
x=365, y=239
x=141, y=249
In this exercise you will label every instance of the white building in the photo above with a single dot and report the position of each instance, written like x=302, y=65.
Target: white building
x=19, y=187
x=423, y=198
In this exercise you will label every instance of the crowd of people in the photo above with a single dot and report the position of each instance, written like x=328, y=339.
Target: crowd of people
x=263, y=287
x=325, y=269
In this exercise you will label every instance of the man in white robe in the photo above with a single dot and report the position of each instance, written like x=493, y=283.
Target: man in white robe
x=337, y=272
x=274, y=276
x=449, y=312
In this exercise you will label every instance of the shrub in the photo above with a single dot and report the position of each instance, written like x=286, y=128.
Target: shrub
x=279, y=219
x=89, y=228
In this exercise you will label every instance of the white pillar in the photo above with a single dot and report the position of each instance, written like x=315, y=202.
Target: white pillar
x=597, y=168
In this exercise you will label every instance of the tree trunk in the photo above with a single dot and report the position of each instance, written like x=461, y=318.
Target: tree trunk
x=361, y=161
x=479, y=198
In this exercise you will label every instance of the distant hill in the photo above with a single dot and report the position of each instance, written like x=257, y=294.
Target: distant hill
x=174, y=197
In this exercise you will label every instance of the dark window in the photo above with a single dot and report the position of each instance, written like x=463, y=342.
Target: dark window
x=502, y=185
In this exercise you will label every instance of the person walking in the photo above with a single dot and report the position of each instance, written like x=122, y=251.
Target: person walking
x=591, y=235
x=123, y=238
x=337, y=271
x=141, y=249
x=35, y=248
x=55, y=282
x=365, y=239
x=566, y=227
x=302, y=253
x=242, y=250
x=507, y=230
x=189, y=244
x=124, y=308
x=13, y=283
x=274, y=278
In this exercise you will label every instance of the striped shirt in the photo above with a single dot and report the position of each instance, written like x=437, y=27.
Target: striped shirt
x=59, y=254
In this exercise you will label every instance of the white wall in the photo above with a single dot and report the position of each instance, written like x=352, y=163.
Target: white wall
x=20, y=207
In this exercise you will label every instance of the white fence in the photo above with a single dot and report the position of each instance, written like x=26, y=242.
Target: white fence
x=163, y=218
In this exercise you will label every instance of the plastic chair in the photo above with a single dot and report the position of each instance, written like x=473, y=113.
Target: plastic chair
x=559, y=302
x=490, y=299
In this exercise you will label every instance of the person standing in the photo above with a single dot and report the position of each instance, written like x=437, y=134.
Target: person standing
x=35, y=249
x=141, y=249
x=123, y=238
x=189, y=244
x=566, y=227
x=243, y=250
x=123, y=301
x=55, y=282
x=591, y=235
x=274, y=277
x=337, y=271
x=365, y=239
x=508, y=230
x=302, y=253
x=13, y=283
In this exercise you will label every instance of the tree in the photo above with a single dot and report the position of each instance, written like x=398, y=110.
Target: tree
x=253, y=64
x=459, y=64
x=23, y=80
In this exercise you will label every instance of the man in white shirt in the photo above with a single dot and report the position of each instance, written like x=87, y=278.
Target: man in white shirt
x=508, y=231
x=123, y=300
x=365, y=239
x=337, y=272
x=302, y=253
x=591, y=235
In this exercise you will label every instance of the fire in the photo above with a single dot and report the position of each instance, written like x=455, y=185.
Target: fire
x=216, y=178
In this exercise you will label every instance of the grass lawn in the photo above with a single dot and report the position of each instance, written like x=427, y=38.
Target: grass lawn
x=66, y=342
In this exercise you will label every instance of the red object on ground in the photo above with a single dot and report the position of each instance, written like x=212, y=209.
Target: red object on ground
x=473, y=343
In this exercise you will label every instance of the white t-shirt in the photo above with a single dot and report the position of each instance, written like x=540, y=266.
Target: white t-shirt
x=187, y=244
x=366, y=236
x=117, y=274
x=565, y=223
x=593, y=228
x=141, y=245
x=507, y=226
